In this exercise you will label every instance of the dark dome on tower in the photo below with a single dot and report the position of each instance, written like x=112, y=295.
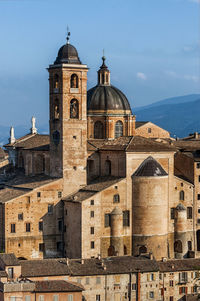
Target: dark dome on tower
x=67, y=54
x=104, y=96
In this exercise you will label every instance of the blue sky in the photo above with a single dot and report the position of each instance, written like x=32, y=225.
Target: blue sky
x=151, y=46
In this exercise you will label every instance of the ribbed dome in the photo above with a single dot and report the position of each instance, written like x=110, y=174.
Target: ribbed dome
x=67, y=55
x=150, y=168
x=102, y=97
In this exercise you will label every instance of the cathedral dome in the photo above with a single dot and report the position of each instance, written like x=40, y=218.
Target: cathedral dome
x=67, y=54
x=150, y=168
x=104, y=96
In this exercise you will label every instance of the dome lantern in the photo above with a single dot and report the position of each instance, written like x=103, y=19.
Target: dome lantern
x=104, y=74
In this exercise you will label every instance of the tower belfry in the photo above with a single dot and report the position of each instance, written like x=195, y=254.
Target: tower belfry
x=68, y=118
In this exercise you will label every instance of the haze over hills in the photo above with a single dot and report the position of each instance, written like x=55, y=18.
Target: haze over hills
x=179, y=115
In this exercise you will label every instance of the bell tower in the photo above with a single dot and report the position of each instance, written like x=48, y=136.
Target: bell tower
x=68, y=118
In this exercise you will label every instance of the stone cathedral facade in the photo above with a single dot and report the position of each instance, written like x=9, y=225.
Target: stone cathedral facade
x=100, y=182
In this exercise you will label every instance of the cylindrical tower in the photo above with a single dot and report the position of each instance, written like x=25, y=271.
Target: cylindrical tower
x=180, y=234
x=116, y=224
x=150, y=209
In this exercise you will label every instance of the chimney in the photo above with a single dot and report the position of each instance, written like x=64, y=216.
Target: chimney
x=12, y=135
x=33, y=128
x=99, y=256
x=82, y=261
x=196, y=135
x=67, y=261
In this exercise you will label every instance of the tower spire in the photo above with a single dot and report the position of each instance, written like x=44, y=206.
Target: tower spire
x=68, y=34
x=103, y=73
x=33, y=128
x=12, y=135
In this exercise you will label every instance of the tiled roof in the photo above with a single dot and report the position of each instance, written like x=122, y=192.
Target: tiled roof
x=93, y=266
x=140, y=123
x=2, y=154
x=137, y=144
x=57, y=286
x=9, y=259
x=30, y=141
x=150, y=168
x=96, y=186
x=21, y=185
x=189, y=264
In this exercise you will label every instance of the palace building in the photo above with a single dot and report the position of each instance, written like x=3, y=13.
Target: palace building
x=100, y=182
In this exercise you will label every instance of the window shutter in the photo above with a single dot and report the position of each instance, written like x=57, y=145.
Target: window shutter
x=147, y=277
x=180, y=291
x=186, y=290
x=126, y=221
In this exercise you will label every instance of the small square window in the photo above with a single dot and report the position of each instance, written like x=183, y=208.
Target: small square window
x=59, y=194
x=149, y=130
x=92, y=202
x=12, y=228
x=28, y=227
x=92, y=230
x=20, y=217
x=182, y=184
x=116, y=198
x=38, y=194
x=198, y=165
x=151, y=295
x=50, y=209
x=92, y=244
x=98, y=280
x=91, y=213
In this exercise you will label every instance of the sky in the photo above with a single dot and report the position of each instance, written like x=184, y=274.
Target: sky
x=152, y=49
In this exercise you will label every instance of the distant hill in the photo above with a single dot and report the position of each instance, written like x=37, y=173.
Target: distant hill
x=179, y=115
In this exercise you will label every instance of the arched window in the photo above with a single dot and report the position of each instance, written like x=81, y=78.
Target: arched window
x=116, y=198
x=56, y=81
x=118, y=129
x=74, y=81
x=98, y=130
x=182, y=195
x=107, y=167
x=142, y=250
x=111, y=251
x=74, y=109
x=103, y=78
x=56, y=109
x=178, y=246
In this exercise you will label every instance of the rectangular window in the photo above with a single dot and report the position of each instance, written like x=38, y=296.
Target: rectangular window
x=28, y=227
x=91, y=213
x=70, y=297
x=189, y=245
x=134, y=287
x=171, y=298
x=87, y=280
x=199, y=178
x=116, y=198
x=41, y=297
x=183, y=277
x=40, y=226
x=59, y=194
x=172, y=213
x=198, y=165
x=152, y=277
x=92, y=202
x=78, y=280
x=59, y=246
x=13, y=298
x=10, y=273
x=60, y=225
x=20, y=217
x=198, y=196
x=50, y=209
x=12, y=228
x=98, y=280
x=149, y=130
x=55, y=298
x=92, y=244
x=151, y=295
x=27, y=298
x=107, y=220
x=41, y=247
x=38, y=194
x=189, y=212
x=98, y=297
x=92, y=230
x=126, y=220
x=171, y=283
x=160, y=276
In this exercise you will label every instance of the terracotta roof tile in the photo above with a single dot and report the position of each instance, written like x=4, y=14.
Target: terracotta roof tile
x=30, y=141
x=57, y=286
x=9, y=259
x=189, y=264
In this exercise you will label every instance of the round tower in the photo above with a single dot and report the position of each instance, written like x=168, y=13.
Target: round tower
x=116, y=224
x=180, y=234
x=150, y=209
